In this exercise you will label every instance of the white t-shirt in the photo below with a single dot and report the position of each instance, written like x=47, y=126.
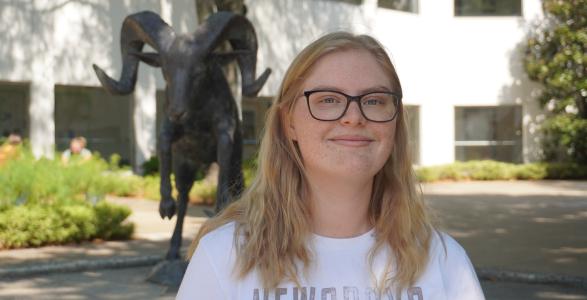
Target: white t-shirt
x=340, y=271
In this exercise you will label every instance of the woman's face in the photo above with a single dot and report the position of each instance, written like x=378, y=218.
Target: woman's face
x=351, y=146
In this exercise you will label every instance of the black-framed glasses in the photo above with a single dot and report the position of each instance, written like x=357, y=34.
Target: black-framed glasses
x=329, y=105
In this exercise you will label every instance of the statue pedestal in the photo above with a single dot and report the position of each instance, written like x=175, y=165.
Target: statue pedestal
x=168, y=272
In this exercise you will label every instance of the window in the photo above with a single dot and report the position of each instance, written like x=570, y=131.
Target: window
x=403, y=5
x=357, y=2
x=14, y=109
x=104, y=120
x=488, y=133
x=249, y=127
x=254, y=111
x=488, y=7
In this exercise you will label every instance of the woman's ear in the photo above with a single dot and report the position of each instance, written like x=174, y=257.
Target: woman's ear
x=289, y=127
x=291, y=130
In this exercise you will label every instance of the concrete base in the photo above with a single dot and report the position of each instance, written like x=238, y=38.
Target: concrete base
x=168, y=272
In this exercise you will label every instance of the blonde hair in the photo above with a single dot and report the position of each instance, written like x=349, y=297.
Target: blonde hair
x=273, y=215
x=81, y=140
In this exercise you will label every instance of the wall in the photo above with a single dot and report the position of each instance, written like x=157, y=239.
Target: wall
x=442, y=60
x=47, y=43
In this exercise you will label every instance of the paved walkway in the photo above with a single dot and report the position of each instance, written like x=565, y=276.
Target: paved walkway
x=531, y=228
x=523, y=226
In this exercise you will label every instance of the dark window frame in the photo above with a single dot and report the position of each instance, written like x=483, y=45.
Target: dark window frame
x=88, y=96
x=483, y=7
x=353, y=2
x=388, y=4
x=20, y=112
x=500, y=139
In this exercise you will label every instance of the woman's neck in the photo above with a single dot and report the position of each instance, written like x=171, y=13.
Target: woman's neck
x=340, y=208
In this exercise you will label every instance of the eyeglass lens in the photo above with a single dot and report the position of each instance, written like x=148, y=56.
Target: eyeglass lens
x=330, y=105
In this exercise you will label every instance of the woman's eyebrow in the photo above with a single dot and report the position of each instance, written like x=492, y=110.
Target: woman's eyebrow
x=377, y=88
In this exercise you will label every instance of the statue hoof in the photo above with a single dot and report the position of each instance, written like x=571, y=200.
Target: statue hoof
x=167, y=209
x=168, y=272
x=209, y=213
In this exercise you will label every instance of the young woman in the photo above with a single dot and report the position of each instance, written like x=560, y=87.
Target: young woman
x=334, y=211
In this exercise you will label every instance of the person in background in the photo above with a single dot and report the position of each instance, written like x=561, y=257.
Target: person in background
x=11, y=148
x=334, y=211
x=77, y=150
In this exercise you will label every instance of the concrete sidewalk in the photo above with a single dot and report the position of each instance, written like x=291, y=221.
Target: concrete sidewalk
x=526, y=227
x=150, y=242
x=521, y=226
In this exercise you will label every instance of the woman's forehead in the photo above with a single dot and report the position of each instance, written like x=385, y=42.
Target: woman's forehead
x=352, y=70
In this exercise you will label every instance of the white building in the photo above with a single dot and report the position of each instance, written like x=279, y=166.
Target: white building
x=459, y=62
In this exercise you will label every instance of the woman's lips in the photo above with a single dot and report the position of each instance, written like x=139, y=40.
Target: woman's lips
x=351, y=140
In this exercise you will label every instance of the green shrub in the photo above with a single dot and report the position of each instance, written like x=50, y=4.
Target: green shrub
x=555, y=58
x=46, y=201
x=25, y=226
x=201, y=192
x=38, y=225
x=472, y=170
x=150, y=187
x=565, y=171
x=123, y=184
x=533, y=171
x=110, y=222
x=489, y=170
x=428, y=174
x=565, y=139
x=151, y=166
x=493, y=170
x=78, y=223
x=47, y=181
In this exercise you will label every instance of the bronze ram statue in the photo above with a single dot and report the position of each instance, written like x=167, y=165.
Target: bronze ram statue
x=202, y=123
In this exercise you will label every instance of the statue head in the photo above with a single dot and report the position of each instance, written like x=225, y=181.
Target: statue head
x=186, y=60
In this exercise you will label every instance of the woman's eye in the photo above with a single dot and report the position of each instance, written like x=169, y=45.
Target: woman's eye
x=372, y=102
x=330, y=100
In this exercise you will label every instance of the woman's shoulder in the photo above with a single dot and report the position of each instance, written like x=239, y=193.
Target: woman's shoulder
x=445, y=246
x=208, y=275
x=450, y=263
x=217, y=248
x=219, y=238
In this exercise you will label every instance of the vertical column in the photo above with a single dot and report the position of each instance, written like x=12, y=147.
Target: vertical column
x=144, y=116
x=42, y=94
x=533, y=116
x=41, y=113
x=166, y=11
x=437, y=133
x=531, y=10
x=369, y=9
x=433, y=9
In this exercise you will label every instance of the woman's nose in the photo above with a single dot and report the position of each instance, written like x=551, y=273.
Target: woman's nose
x=353, y=115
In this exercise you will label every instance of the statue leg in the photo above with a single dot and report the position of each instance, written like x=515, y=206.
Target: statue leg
x=224, y=156
x=236, y=179
x=184, y=180
x=167, y=205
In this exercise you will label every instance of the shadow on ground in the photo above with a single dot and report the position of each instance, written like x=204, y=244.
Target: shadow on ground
x=522, y=233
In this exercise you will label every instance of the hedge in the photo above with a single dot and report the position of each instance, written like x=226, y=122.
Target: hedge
x=493, y=170
x=39, y=225
x=47, y=202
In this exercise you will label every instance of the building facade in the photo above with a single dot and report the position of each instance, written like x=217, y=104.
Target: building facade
x=459, y=61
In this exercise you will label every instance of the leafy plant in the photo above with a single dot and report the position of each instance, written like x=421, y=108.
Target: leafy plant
x=38, y=225
x=556, y=57
x=493, y=170
x=46, y=201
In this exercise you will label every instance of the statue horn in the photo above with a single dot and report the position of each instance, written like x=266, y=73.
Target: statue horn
x=241, y=35
x=137, y=29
